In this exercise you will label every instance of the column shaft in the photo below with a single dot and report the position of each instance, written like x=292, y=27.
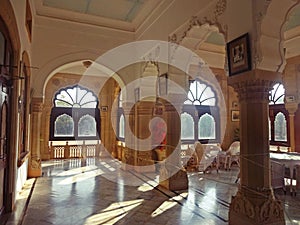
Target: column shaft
x=35, y=169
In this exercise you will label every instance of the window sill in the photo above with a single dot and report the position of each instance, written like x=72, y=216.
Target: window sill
x=23, y=157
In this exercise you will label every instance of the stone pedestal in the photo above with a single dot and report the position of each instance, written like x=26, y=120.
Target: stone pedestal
x=34, y=166
x=255, y=202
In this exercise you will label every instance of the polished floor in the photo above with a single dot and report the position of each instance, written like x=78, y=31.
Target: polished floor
x=93, y=191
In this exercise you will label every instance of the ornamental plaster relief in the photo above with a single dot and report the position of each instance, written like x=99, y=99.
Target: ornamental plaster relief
x=210, y=16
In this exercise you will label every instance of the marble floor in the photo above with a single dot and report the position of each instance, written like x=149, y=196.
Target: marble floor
x=93, y=191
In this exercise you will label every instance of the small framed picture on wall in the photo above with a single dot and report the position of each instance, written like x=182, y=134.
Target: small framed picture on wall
x=235, y=115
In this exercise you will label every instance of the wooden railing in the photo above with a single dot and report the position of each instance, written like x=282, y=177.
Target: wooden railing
x=67, y=151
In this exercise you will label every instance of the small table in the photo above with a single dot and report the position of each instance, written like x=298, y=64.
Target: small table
x=290, y=160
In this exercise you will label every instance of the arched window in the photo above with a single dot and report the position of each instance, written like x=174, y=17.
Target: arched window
x=122, y=126
x=203, y=123
x=121, y=118
x=75, y=115
x=64, y=126
x=277, y=94
x=87, y=126
x=278, y=123
x=206, y=127
x=200, y=94
x=187, y=126
x=280, y=127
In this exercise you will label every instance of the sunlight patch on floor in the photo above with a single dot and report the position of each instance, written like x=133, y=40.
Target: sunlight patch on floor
x=51, y=163
x=148, y=186
x=170, y=203
x=77, y=171
x=209, y=200
x=81, y=177
x=113, y=213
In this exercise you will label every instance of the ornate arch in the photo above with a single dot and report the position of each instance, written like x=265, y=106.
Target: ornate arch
x=270, y=19
x=43, y=75
x=209, y=17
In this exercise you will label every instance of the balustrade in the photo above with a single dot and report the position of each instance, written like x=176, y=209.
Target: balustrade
x=66, y=151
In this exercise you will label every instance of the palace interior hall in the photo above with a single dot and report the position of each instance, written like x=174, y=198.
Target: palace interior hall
x=149, y=112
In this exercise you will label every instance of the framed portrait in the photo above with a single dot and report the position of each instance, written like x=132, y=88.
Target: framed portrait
x=238, y=54
x=235, y=115
x=163, y=84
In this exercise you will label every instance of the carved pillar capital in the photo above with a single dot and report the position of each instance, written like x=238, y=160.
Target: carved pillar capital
x=253, y=90
x=254, y=85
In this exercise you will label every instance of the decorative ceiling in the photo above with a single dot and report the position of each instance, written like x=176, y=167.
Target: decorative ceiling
x=124, y=10
x=125, y=15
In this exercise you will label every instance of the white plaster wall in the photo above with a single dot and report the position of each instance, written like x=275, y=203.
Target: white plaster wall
x=22, y=175
x=238, y=18
x=68, y=41
x=20, y=14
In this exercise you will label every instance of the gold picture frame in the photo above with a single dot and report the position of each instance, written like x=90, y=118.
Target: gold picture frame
x=235, y=115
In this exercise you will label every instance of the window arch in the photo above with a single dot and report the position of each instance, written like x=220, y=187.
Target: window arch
x=87, y=126
x=203, y=123
x=121, y=118
x=280, y=133
x=278, y=122
x=206, y=127
x=64, y=126
x=75, y=115
x=200, y=94
x=187, y=122
x=277, y=94
x=122, y=126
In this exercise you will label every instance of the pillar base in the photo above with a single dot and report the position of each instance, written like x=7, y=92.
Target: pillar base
x=256, y=209
x=34, y=168
x=32, y=173
x=177, y=182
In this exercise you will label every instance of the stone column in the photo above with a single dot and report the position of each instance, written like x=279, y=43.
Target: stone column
x=128, y=155
x=255, y=202
x=172, y=174
x=34, y=167
x=292, y=108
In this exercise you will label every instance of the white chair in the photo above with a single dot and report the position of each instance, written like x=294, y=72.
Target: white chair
x=192, y=162
x=232, y=155
x=199, y=150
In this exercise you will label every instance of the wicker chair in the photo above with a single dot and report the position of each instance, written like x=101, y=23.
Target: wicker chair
x=233, y=155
